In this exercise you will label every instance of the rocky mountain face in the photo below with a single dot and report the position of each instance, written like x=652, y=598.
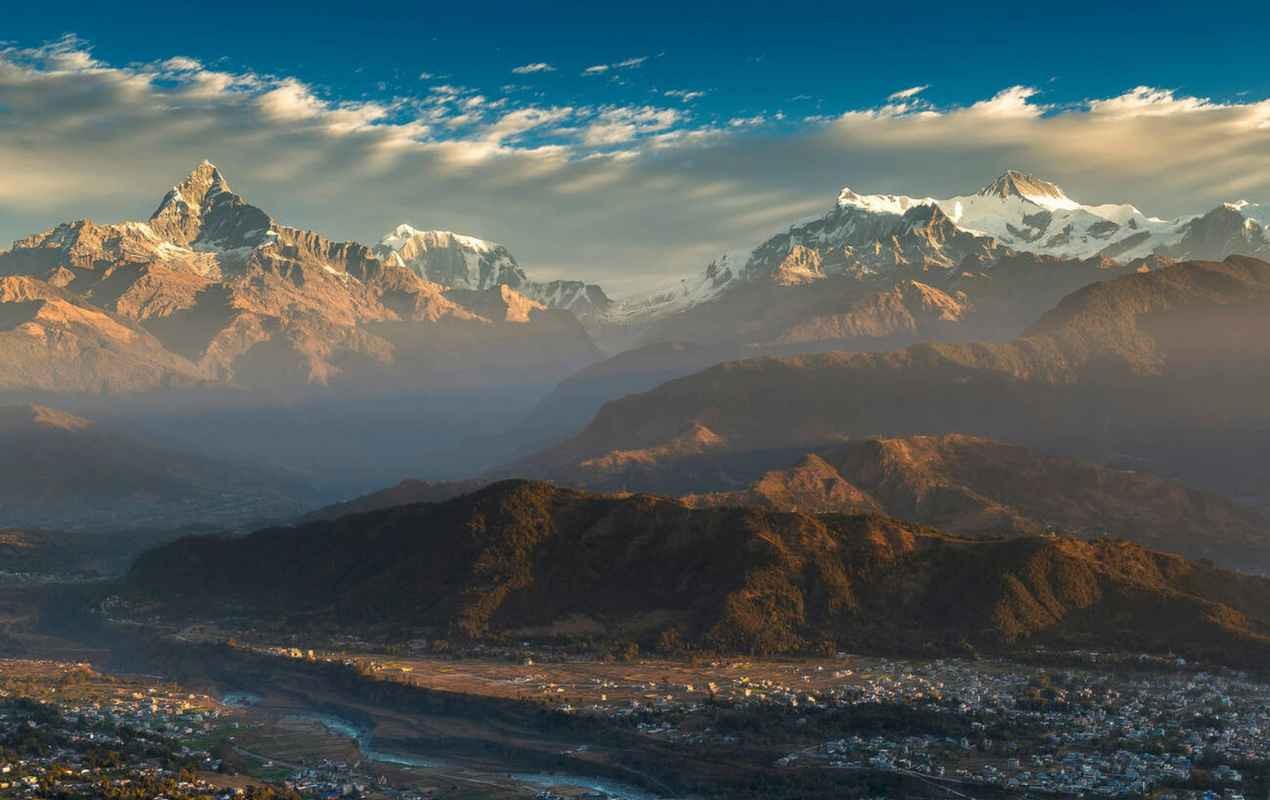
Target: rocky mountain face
x=53, y=340
x=465, y=262
x=973, y=485
x=451, y=259
x=528, y=560
x=878, y=272
x=830, y=313
x=1053, y=244
x=962, y=484
x=1221, y=232
x=1088, y=379
x=61, y=471
x=212, y=289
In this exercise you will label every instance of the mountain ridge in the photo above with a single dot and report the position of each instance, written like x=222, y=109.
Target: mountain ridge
x=526, y=560
x=1093, y=363
x=62, y=471
x=226, y=294
x=876, y=238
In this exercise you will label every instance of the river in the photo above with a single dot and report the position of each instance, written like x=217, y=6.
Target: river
x=343, y=727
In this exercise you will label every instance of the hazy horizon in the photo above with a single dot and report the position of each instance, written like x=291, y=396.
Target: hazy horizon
x=570, y=161
x=693, y=401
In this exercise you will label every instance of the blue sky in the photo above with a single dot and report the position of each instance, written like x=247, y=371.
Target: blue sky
x=747, y=58
x=647, y=138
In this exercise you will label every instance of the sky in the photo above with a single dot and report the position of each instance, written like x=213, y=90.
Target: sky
x=622, y=144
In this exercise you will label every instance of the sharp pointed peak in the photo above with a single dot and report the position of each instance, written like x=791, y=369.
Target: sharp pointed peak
x=207, y=172
x=1017, y=183
x=205, y=180
x=204, y=198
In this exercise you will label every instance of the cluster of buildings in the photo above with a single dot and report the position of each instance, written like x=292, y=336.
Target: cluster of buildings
x=64, y=734
x=332, y=779
x=1134, y=729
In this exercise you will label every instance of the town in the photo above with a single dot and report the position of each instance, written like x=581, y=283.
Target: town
x=1048, y=723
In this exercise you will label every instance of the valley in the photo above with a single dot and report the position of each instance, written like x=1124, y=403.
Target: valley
x=530, y=720
x=553, y=423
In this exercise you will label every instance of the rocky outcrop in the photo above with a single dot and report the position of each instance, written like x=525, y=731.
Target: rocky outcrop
x=211, y=288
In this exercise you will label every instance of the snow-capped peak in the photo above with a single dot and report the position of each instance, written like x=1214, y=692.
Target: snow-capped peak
x=404, y=233
x=1258, y=212
x=881, y=203
x=451, y=259
x=1013, y=183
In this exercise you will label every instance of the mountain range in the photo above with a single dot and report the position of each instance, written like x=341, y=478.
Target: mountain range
x=1163, y=370
x=212, y=290
x=467, y=263
x=61, y=471
x=957, y=243
x=528, y=560
x=976, y=486
x=878, y=272
x=962, y=484
x=214, y=327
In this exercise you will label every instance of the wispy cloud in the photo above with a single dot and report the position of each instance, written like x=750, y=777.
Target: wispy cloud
x=570, y=186
x=183, y=64
x=747, y=122
x=619, y=125
x=530, y=69
x=630, y=63
x=684, y=94
x=904, y=94
x=522, y=120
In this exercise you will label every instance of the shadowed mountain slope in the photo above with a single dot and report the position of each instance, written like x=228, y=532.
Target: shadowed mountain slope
x=1168, y=367
x=526, y=559
x=57, y=470
x=968, y=484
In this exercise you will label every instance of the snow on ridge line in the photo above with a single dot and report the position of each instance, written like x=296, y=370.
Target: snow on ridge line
x=403, y=233
x=882, y=203
x=1020, y=211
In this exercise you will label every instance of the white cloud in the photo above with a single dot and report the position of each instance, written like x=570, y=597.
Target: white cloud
x=522, y=120
x=530, y=69
x=480, y=101
x=599, y=69
x=182, y=64
x=1012, y=102
x=684, y=95
x=206, y=84
x=1149, y=102
x=578, y=188
x=904, y=94
x=445, y=92
x=460, y=120
x=290, y=101
x=618, y=125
